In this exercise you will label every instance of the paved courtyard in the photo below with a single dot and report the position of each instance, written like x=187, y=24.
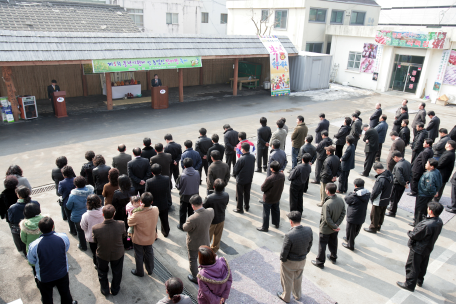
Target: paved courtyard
x=367, y=275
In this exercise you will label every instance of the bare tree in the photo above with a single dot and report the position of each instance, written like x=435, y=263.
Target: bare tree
x=263, y=25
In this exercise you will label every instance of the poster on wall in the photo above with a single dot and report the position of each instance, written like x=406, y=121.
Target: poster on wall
x=378, y=61
x=375, y=76
x=441, y=71
x=280, y=72
x=370, y=50
x=450, y=72
x=367, y=65
x=430, y=40
x=145, y=64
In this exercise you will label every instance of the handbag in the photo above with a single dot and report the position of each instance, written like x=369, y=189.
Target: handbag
x=376, y=201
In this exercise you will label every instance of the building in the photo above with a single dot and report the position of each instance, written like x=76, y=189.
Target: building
x=214, y=17
x=303, y=21
x=404, y=59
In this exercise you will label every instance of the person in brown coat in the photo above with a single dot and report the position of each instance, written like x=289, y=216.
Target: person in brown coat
x=112, y=186
x=399, y=145
x=297, y=139
x=109, y=237
x=163, y=159
x=197, y=226
x=144, y=223
x=272, y=191
x=217, y=169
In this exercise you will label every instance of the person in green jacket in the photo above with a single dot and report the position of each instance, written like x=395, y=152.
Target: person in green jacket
x=29, y=226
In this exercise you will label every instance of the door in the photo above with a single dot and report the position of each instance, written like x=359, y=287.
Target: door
x=315, y=78
x=413, y=76
x=399, y=77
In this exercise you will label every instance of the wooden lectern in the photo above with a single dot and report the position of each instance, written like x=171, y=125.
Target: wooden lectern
x=58, y=98
x=160, y=98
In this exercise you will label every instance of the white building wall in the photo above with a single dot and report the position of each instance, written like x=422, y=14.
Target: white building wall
x=215, y=8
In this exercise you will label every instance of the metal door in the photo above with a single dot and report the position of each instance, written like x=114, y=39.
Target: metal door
x=315, y=75
x=399, y=77
x=413, y=76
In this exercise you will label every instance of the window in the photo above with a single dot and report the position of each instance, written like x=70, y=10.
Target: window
x=137, y=15
x=172, y=18
x=357, y=18
x=317, y=15
x=314, y=47
x=264, y=15
x=223, y=18
x=204, y=17
x=337, y=17
x=354, y=59
x=280, y=20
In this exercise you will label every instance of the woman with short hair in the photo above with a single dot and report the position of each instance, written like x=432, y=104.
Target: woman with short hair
x=113, y=185
x=174, y=289
x=17, y=171
x=8, y=197
x=93, y=216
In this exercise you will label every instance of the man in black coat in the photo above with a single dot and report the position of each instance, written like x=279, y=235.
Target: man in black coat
x=399, y=110
x=419, y=166
x=420, y=117
x=158, y=186
x=163, y=159
x=445, y=166
x=100, y=175
x=347, y=163
x=373, y=120
x=243, y=171
x=341, y=135
x=397, y=123
x=277, y=155
x=202, y=145
x=264, y=136
x=433, y=125
x=321, y=155
x=380, y=196
x=453, y=133
x=404, y=133
x=299, y=178
x=402, y=174
x=421, y=244
x=307, y=147
x=439, y=146
x=231, y=138
x=51, y=89
x=418, y=141
x=356, y=128
x=138, y=171
x=370, y=149
x=329, y=172
x=215, y=147
x=87, y=168
x=156, y=82
x=322, y=125
x=176, y=152
x=120, y=161
x=357, y=202
x=148, y=151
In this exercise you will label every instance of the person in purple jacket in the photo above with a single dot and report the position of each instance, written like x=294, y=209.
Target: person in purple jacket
x=214, y=277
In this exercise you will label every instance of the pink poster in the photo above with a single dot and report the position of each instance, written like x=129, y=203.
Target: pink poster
x=414, y=73
x=367, y=65
x=412, y=79
x=411, y=86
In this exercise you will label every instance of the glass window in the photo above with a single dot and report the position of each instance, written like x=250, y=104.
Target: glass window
x=357, y=18
x=264, y=15
x=337, y=17
x=172, y=18
x=204, y=17
x=280, y=21
x=223, y=18
x=137, y=15
x=354, y=59
x=314, y=47
x=317, y=15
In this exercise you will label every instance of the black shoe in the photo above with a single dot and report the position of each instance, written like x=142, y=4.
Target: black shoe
x=262, y=229
x=133, y=271
x=389, y=208
x=379, y=228
x=321, y=266
x=402, y=285
x=180, y=227
x=192, y=279
x=390, y=214
x=104, y=292
x=82, y=249
x=74, y=302
x=329, y=258
x=412, y=224
x=362, y=174
x=346, y=246
x=171, y=208
x=246, y=208
x=72, y=233
x=370, y=230
x=411, y=194
x=114, y=293
x=345, y=239
x=261, y=201
x=419, y=284
x=277, y=226
x=238, y=211
x=314, y=182
x=450, y=210
x=258, y=170
x=232, y=175
x=279, y=294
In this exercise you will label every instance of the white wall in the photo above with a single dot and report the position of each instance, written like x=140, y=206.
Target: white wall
x=215, y=9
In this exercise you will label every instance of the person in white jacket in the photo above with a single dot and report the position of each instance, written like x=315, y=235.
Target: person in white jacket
x=93, y=216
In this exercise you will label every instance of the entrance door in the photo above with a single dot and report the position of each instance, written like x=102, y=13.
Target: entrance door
x=400, y=77
x=315, y=72
x=413, y=76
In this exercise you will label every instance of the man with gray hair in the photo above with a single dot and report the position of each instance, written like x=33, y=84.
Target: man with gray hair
x=420, y=117
x=373, y=120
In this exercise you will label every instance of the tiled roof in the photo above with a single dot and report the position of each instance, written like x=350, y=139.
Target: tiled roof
x=64, y=16
x=45, y=46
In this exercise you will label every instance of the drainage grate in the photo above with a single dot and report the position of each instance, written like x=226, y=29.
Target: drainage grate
x=163, y=274
x=42, y=189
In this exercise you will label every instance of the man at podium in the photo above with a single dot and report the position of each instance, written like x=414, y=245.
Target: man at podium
x=156, y=82
x=51, y=89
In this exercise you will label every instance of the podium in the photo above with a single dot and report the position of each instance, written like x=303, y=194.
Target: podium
x=58, y=98
x=160, y=97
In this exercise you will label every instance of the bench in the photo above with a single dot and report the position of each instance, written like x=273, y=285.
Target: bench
x=242, y=80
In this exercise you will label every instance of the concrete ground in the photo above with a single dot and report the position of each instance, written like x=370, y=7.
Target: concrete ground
x=367, y=275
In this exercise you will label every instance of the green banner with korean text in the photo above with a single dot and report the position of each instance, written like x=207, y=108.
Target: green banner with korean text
x=145, y=64
x=429, y=40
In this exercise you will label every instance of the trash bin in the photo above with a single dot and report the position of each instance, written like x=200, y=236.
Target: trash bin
x=266, y=85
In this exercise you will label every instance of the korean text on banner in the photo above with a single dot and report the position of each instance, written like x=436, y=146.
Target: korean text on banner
x=441, y=72
x=280, y=72
x=144, y=64
x=450, y=72
x=429, y=40
x=378, y=61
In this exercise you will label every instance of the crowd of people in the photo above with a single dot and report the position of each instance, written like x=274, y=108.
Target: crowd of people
x=115, y=208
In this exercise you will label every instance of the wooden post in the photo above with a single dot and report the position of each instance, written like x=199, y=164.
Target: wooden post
x=236, y=69
x=108, y=91
x=11, y=90
x=181, y=85
x=201, y=76
x=84, y=82
x=149, y=86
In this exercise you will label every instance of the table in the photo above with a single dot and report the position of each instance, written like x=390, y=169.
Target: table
x=120, y=91
x=242, y=80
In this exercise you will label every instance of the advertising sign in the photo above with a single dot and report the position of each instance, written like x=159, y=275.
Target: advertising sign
x=430, y=40
x=280, y=72
x=441, y=72
x=450, y=72
x=145, y=64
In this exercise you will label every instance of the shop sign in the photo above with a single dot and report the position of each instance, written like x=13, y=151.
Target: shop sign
x=278, y=57
x=145, y=64
x=430, y=40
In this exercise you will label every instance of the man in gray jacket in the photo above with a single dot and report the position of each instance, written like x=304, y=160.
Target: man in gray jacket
x=332, y=215
x=280, y=134
x=217, y=169
x=402, y=174
x=420, y=117
x=278, y=155
x=439, y=146
x=120, y=161
x=188, y=185
x=296, y=245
